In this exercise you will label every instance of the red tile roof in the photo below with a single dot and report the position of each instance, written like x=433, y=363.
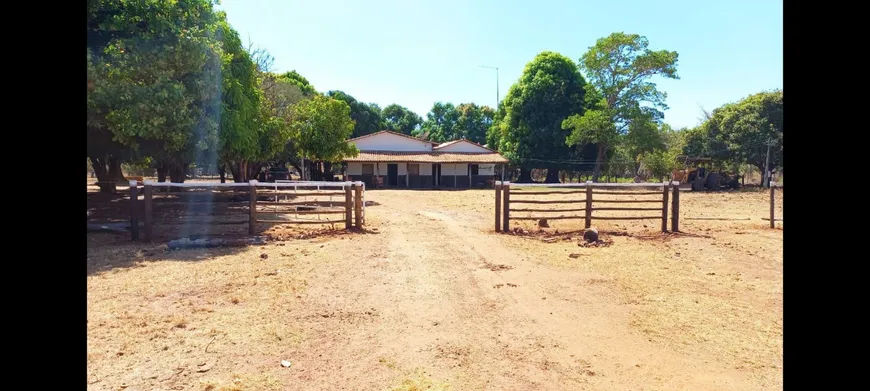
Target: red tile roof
x=427, y=157
x=395, y=133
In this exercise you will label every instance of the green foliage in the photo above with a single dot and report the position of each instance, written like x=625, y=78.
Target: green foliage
x=440, y=124
x=367, y=116
x=620, y=67
x=746, y=127
x=401, y=119
x=300, y=81
x=242, y=121
x=321, y=127
x=550, y=89
x=151, y=67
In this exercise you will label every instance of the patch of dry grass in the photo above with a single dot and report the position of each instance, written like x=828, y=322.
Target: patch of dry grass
x=418, y=380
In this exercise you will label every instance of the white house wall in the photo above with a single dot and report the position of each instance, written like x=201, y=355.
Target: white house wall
x=486, y=169
x=354, y=168
x=391, y=142
x=464, y=146
x=454, y=169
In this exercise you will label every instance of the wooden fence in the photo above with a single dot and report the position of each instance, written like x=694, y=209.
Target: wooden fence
x=583, y=209
x=772, y=217
x=305, y=201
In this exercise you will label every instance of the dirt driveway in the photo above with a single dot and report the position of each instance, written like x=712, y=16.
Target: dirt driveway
x=430, y=296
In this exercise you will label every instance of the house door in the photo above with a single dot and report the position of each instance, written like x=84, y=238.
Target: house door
x=392, y=175
x=436, y=174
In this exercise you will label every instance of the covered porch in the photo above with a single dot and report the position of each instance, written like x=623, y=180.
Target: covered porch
x=411, y=175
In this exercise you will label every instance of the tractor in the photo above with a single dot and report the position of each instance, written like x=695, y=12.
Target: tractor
x=698, y=173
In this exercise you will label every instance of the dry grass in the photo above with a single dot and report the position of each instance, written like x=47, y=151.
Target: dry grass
x=222, y=319
x=418, y=380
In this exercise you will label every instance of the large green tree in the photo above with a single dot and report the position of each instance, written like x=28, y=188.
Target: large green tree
x=440, y=124
x=747, y=127
x=401, y=119
x=321, y=127
x=367, y=116
x=549, y=90
x=448, y=122
x=620, y=67
x=151, y=90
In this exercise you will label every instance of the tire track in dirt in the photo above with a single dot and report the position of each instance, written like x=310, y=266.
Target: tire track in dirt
x=432, y=291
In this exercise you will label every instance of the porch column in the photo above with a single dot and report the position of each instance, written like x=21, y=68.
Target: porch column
x=407, y=177
x=468, y=168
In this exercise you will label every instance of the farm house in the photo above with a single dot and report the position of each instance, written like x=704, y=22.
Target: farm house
x=394, y=160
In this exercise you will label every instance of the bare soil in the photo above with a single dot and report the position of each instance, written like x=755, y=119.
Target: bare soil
x=429, y=297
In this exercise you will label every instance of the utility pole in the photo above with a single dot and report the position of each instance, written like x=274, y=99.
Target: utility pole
x=766, y=180
x=497, y=95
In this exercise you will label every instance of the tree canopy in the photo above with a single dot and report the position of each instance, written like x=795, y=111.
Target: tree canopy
x=620, y=67
x=530, y=131
x=321, y=127
x=367, y=116
x=401, y=119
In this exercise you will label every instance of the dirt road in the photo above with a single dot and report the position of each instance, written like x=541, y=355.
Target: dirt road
x=432, y=294
x=449, y=298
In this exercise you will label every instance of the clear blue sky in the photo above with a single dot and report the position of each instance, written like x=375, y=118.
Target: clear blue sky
x=417, y=52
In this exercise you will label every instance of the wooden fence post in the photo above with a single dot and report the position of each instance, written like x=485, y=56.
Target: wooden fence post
x=148, y=211
x=348, y=206
x=772, y=221
x=134, y=218
x=665, y=206
x=588, y=204
x=675, y=210
x=506, y=206
x=358, y=203
x=252, y=217
x=497, y=208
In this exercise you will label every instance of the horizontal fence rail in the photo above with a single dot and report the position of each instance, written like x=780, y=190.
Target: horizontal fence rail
x=298, y=198
x=594, y=192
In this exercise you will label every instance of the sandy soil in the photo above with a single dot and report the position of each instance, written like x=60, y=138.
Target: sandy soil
x=431, y=298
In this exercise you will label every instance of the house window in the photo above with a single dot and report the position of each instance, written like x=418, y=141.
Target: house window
x=413, y=169
x=474, y=169
x=368, y=169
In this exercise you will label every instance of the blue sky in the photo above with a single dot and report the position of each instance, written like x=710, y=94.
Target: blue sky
x=417, y=52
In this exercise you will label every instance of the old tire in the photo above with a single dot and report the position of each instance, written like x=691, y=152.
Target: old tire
x=591, y=235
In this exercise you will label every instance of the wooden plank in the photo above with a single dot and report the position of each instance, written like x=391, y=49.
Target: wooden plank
x=628, y=218
x=665, y=208
x=632, y=209
x=300, y=221
x=497, y=208
x=548, y=217
x=506, y=207
x=588, y=208
x=549, y=210
x=772, y=219
x=300, y=194
x=627, y=201
x=203, y=222
x=348, y=206
x=252, y=217
x=765, y=219
x=549, y=202
x=149, y=211
x=134, y=217
x=358, y=204
x=629, y=192
x=675, y=210
x=336, y=203
x=303, y=212
x=515, y=192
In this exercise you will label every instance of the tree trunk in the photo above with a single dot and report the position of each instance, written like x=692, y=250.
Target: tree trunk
x=552, y=176
x=525, y=175
x=222, y=171
x=177, y=173
x=115, y=173
x=327, y=170
x=161, y=173
x=599, y=161
x=102, y=173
